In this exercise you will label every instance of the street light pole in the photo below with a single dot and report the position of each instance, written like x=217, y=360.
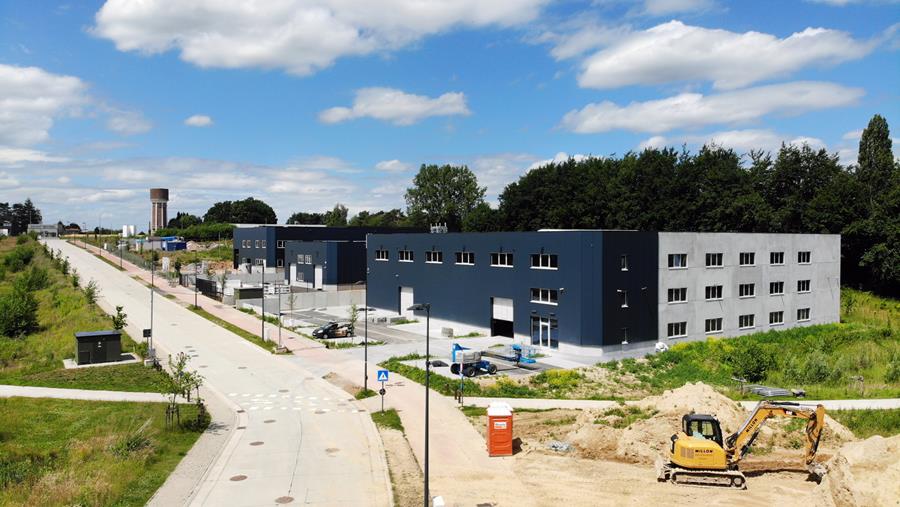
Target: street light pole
x=196, y=274
x=366, y=336
x=152, y=285
x=427, y=308
x=263, y=303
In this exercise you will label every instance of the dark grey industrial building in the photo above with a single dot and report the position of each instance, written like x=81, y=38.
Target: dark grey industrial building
x=324, y=264
x=265, y=244
x=598, y=291
x=550, y=288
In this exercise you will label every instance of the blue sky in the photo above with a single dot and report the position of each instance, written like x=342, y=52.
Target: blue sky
x=305, y=103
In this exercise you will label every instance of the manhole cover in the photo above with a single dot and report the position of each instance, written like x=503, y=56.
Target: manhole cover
x=203, y=366
x=283, y=391
x=320, y=411
x=241, y=427
x=331, y=451
x=242, y=367
x=267, y=421
x=256, y=443
x=241, y=411
x=284, y=499
x=238, y=478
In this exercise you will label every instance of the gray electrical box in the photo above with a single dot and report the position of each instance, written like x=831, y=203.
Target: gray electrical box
x=98, y=347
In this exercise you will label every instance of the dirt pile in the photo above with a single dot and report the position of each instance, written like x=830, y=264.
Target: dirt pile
x=644, y=439
x=862, y=474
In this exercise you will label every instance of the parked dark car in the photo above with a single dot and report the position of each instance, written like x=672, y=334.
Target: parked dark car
x=333, y=330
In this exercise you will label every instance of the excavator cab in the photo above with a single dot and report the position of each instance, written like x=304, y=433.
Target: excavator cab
x=702, y=426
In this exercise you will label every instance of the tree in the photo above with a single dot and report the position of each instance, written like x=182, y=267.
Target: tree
x=18, y=313
x=352, y=317
x=443, y=194
x=247, y=211
x=337, y=217
x=304, y=218
x=392, y=218
x=876, y=158
x=91, y=292
x=183, y=221
x=119, y=319
x=19, y=216
x=482, y=219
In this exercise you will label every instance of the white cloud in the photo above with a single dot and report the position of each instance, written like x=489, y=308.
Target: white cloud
x=674, y=52
x=300, y=36
x=691, y=110
x=575, y=37
x=10, y=156
x=7, y=180
x=126, y=122
x=324, y=163
x=396, y=106
x=393, y=166
x=106, y=195
x=844, y=3
x=742, y=141
x=31, y=99
x=557, y=159
x=199, y=120
x=853, y=135
x=667, y=7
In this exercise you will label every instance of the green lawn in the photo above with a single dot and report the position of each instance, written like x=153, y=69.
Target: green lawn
x=388, y=419
x=36, y=358
x=69, y=452
x=865, y=423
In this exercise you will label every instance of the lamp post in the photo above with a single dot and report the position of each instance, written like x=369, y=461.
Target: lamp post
x=263, y=303
x=152, y=285
x=417, y=308
x=196, y=274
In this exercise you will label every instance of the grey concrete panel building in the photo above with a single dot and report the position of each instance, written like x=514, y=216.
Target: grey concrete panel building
x=752, y=282
x=600, y=292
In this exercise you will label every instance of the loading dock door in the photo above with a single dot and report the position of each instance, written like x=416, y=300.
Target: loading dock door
x=406, y=300
x=318, y=284
x=502, y=317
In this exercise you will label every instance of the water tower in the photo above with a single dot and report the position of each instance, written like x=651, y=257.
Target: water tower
x=159, y=201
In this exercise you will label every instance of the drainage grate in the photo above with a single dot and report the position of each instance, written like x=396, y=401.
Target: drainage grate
x=284, y=499
x=283, y=391
x=256, y=443
x=268, y=421
x=237, y=478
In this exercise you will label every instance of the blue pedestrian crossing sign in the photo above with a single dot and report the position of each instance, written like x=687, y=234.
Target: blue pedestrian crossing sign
x=382, y=375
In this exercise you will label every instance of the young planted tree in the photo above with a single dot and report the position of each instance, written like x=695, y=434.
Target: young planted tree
x=91, y=292
x=353, y=316
x=119, y=319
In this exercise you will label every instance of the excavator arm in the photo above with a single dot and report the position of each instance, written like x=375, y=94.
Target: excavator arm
x=738, y=444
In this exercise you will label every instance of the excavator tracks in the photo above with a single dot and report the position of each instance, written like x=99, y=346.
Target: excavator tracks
x=702, y=478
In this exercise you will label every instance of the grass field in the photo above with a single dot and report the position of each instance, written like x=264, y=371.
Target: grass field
x=87, y=453
x=865, y=423
x=388, y=419
x=36, y=358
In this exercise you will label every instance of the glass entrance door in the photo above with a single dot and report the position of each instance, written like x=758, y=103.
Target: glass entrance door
x=544, y=332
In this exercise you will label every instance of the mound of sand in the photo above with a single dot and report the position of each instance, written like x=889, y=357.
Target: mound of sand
x=645, y=439
x=862, y=474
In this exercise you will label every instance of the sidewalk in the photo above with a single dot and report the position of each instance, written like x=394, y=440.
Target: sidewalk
x=7, y=391
x=250, y=323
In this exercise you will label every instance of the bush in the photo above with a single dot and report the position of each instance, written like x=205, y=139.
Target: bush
x=750, y=359
x=19, y=257
x=893, y=370
x=91, y=291
x=35, y=278
x=817, y=368
x=18, y=313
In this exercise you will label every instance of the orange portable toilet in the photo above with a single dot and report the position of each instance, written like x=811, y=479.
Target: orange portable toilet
x=500, y=429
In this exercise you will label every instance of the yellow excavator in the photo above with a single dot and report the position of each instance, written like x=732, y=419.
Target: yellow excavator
x=699, y=456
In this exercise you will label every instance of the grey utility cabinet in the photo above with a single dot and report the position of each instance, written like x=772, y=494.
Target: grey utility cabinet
x=98, y=347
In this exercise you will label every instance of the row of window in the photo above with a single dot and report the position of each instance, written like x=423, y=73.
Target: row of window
x=745, y=290
x=748, y=321
x=498, y=259
x=304, y=259
x=716, y=259
x=260, y=243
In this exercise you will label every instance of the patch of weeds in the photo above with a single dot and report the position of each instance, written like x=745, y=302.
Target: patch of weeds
x=402, y=321
x=624, y=416
x=561, y=421
x=473, y=411
x=388, y=419
x=364, y=393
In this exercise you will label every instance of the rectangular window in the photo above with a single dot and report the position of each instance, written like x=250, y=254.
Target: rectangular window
x=257, y=244
x=405, y=255
x=544, y=261
x=776, y=288
x=776, y=318
x=279, y=243
x=263, y=243
x=678, y=295
x=804, y=257
x=746, y=321
x=381, y=255
x=803, y=285
x=623, y=262
x=714, y=260
x=748, y=259
x=301, y=259
x=747, y=290
x=714, y=325
x=678, y=261
x=279, y=263
x=776, y=258
x=465, y=258
x=713, y=292
x=309, y=258
x=300, y=276
x=676, y=329
x=802, y=314
x=258, y=262
x=502, y=260
x=545, y=296
x=623, y=298
x=434, y=257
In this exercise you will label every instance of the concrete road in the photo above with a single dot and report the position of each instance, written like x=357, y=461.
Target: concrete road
x=298, y=440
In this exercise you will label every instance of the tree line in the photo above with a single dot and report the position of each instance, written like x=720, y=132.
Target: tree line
x=18, y=216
